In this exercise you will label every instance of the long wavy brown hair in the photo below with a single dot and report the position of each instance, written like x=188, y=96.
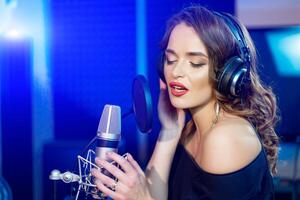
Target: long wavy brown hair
x=259, y=107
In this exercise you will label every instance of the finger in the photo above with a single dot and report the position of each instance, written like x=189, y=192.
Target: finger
x=121, y=161
x=106, y=191
x=162, y=85
x=116, y=172
x=109, y=182
x=135, y=165
x=103, y=178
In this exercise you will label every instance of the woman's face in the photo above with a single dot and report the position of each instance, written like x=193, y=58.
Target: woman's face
x=186, y=69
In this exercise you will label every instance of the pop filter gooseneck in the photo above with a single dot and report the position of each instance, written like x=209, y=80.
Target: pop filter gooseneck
x=142, y=104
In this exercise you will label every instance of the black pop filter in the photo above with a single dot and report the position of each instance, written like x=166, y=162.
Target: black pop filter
x=142, y=104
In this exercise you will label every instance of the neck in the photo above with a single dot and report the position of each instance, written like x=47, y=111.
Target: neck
x=204, y=117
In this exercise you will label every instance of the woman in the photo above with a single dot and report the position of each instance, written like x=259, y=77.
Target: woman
x=228, y=149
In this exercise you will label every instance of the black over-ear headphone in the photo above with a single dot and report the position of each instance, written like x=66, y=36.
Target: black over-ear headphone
x=234, y=76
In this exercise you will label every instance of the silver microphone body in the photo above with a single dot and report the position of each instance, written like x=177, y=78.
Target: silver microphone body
x=109, y=131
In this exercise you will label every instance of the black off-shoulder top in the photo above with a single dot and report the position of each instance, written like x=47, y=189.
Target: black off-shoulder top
x=188, y=181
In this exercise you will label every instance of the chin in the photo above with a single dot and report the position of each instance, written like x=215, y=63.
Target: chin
x=189, y=103
x=180, y=104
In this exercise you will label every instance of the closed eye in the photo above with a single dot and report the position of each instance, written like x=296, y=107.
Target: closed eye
x=170, y=62
x=197, y=64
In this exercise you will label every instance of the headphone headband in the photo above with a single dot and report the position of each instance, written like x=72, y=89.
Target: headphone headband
x=234, y=76
x=237, y=33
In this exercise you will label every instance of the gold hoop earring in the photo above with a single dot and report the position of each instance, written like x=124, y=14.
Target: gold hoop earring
x=217, y=113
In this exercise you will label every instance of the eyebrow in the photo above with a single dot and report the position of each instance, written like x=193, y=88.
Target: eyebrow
x=188, y=53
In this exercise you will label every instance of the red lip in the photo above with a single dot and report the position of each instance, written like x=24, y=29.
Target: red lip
x=178, y=89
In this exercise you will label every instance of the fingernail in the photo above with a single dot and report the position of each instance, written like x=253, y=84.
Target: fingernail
x=129, y=156
x=100, y=162
x=109, y=153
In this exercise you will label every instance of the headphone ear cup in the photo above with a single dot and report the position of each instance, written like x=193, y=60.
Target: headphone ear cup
x=231, y=77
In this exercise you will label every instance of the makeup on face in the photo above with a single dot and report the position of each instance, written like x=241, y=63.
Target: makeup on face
x=186, y=69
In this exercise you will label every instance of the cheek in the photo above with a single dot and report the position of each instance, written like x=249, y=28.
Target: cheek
x=202, y=84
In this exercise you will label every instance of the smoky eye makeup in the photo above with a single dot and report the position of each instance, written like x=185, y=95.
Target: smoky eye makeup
x=169, y=59
x=197, y=59
x=198, y=64
x=169, y=62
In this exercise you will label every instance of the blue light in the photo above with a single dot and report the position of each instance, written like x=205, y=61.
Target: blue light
x=141, y=38
x=285, y=48
x=141, y=68
x=11, y=3
x=29, y=18
x=13, y=34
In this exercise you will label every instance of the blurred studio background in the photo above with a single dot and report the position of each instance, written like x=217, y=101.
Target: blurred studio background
x=61, y=61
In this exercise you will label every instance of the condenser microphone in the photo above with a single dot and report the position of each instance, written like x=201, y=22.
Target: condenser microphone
x=109, y=131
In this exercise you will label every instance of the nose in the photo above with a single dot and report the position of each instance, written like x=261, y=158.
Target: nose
x=178, y=70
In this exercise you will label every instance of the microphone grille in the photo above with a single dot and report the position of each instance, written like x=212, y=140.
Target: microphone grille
x=110, y=121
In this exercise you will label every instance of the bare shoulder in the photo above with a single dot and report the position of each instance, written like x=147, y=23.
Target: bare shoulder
x=231, y=145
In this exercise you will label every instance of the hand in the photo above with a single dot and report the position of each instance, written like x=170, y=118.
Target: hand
x=132, y=183
x=171, y=118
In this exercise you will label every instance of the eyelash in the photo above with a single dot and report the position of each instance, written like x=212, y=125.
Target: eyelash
x=169, y=62
x=197, y=65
